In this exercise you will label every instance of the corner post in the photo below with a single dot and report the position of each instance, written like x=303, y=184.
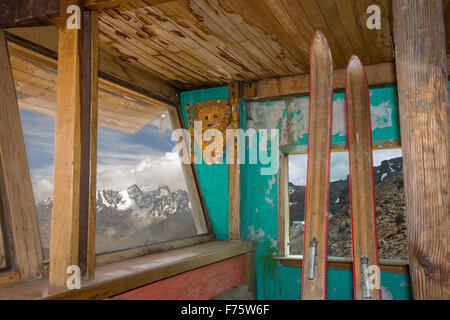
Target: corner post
x=419, y=35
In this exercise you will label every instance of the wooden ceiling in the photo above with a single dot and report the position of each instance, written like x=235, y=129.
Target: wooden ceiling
x=195, y=43
x=203, y=43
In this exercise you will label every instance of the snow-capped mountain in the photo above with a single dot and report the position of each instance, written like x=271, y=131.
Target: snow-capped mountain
x=157, y=203
x=389, y=200
x=132, y=217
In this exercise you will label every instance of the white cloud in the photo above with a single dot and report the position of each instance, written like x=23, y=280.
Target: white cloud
x=149, y=172
x=297, y=169
x=42, y=190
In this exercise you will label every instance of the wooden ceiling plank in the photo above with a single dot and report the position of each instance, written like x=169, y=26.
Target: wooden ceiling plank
x=179, y=12
x=258, y=13
x=330, y=13
x=210, y=8
x=129, y=30
x=268, y=32
x=129, y=51
x=384, y=35
x=229, y=47
x=107, y=4
x=279, y=55
x=176, y=35
x=350, y=25
x=291, y=29
x=446, y=5
x=370, y=36
x=316, y=18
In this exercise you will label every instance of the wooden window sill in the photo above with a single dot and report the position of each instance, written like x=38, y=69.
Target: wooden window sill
x=347, y=264
x=115, y=278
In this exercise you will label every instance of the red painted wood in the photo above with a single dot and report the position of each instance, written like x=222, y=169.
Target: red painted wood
x=199, y=284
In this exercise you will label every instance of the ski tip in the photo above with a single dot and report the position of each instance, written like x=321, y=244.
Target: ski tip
x=354, y=62
x=319, y=38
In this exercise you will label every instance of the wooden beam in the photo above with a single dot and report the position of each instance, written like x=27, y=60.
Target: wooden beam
x=15, y=13
x=250, y=272
x=66, y=185
x=234, y=181
x=89, y=122
x=283, y=206
x=3, y=252
x=15, y=176
x=347, y=264
x=377, y=74
x=108, y=4
x=424, y=121
x=18, y=13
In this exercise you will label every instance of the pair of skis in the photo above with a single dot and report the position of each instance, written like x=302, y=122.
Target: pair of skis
x=364, y=241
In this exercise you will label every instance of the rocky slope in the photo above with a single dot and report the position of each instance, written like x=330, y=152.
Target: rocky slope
x=132, y=217
x=390, y=212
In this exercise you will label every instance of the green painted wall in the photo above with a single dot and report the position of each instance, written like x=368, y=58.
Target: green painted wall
x=259, y=194
x=213, y=178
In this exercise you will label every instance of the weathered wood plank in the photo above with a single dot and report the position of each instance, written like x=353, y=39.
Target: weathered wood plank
x=383, y=73
x=425, y=127
x=283, y=206
x=351, y=26
x=3, y=262
x=66, y=186
x=88, y=169
x=17, y=190
x=377, y=74
x=234, y=180
x=250, y=272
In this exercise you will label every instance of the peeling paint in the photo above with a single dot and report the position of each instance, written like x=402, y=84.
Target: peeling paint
x=293, y=113
x=259, y=210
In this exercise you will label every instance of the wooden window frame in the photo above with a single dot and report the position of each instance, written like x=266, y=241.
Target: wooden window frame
x=386, y=265
x=12, y=274
x=201, y=218
x=17, y=207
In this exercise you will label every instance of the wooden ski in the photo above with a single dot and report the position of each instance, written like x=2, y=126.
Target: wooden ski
x=362, y=196
x=314, y=268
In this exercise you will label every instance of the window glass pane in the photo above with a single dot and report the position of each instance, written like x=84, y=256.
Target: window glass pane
x=142, y=197
x=390, y=204
x=297, y=187
x=39, y=136
x=389, y=201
